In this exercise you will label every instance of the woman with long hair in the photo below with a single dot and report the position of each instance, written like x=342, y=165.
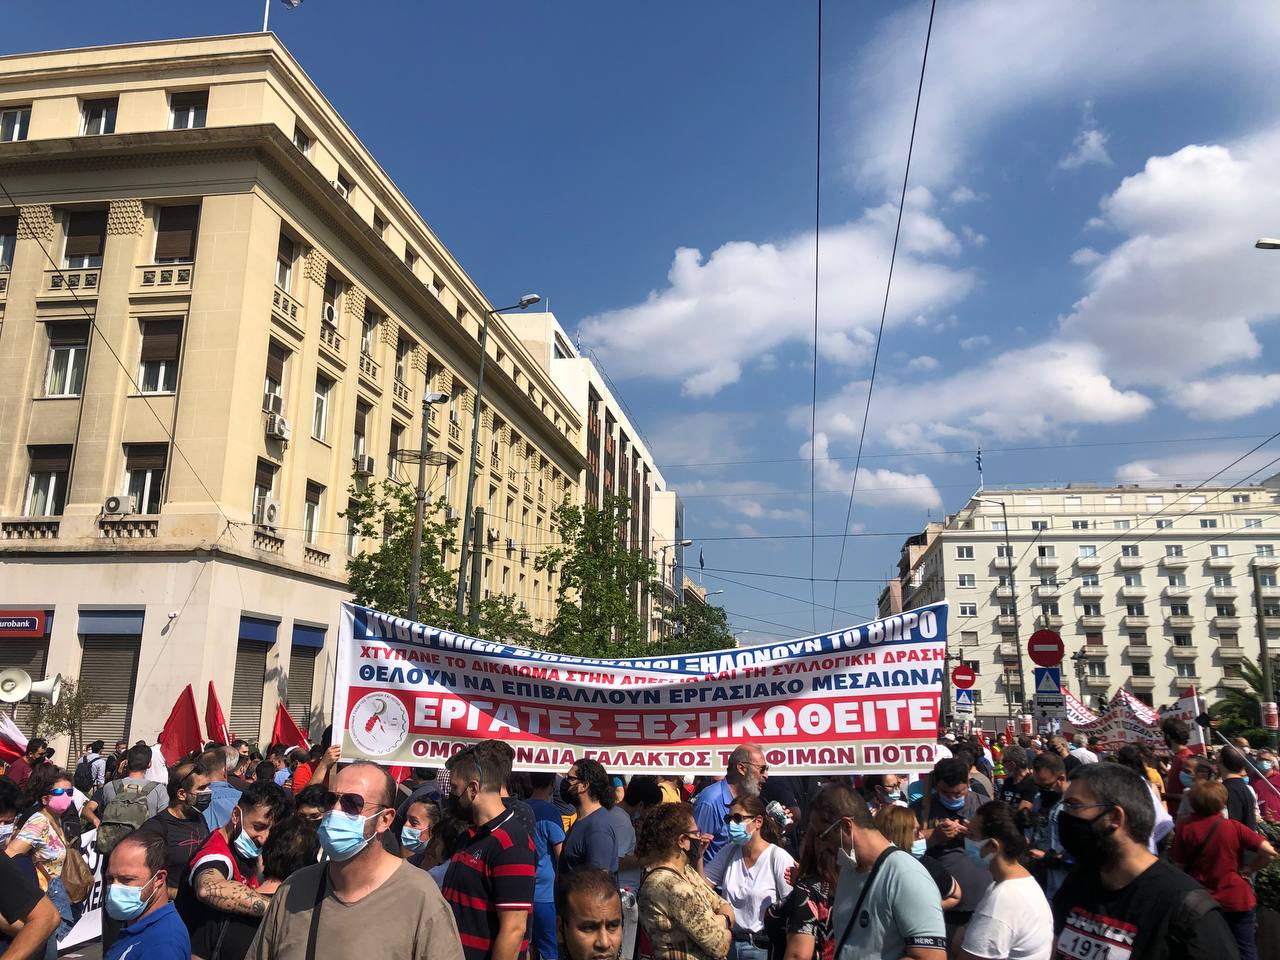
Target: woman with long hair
x=809, y=908
x=681, y=915
x=900, y=827
x=750, y=872
x=1013, y=918
x=40, y=836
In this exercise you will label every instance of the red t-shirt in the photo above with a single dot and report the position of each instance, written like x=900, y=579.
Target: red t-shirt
x=1172, y=785
x=301, y=777
x=1217, y=861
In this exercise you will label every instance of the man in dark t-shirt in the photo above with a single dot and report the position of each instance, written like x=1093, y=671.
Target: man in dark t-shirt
x=1019, y=788
x=1242, y=802
x=181, y=823
x=1120, y=901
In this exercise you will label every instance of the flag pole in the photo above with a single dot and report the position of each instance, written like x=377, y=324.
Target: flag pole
x=266, y=14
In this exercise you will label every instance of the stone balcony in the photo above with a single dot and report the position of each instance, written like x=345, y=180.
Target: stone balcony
x=4, y=284
x=29, y=528
x=1227, y=623
x=1220, y=563
x=1179, y=621
x=71, y=282
x=1138, y=651
x=1178, y=562
x=163, y=278
x=1089, y=563
x=331, y=342
x=287, y=308
x=1224, y=593
x=1266, y=563
x=1093, y=623
x=1006, y=620
x=1045, y=563
x=1177, y=593
x=369, y=369
x=1130, y=563
x=1002, y=563
x=1090, y=593
x=1047, y=589
x=1183, y=653
x=1135, y=621
x=1133, y=592
x=129, y=528
x=1004, y=593
x=1269, y=593
x=1235, y=683
x=1231, y=653
x=1142, y=683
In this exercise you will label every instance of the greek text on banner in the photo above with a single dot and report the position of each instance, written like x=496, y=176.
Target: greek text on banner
x=862, y=698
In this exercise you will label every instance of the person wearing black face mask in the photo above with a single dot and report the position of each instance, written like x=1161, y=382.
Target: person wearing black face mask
x=1120, y=900
x=593, y=839
x=944, y=814
x=1050, y=862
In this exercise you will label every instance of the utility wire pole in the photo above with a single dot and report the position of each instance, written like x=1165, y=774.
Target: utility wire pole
x=1264, y=662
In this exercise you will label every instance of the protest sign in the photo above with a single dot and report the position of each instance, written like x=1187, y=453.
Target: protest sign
x=1187, y=708
x=863, y=698
x=1127, y=720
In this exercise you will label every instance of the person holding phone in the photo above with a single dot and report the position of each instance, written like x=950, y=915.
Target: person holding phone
x=681, y=915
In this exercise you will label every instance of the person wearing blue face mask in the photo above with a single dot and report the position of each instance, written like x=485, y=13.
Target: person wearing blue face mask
x=899, y=827
x=418, y=842
x=1013, y=919
x=943, y=814
x=137, y=897
x=750, y=872
x=222, y=877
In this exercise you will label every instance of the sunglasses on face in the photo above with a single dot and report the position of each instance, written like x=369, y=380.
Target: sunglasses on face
x=737, y=817
x=762, y=767
x=60, y=792
x=352, y=804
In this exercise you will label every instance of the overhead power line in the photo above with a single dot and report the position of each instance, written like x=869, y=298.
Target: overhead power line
x=884, y=307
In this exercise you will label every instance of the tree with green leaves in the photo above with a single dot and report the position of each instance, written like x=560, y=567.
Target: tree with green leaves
x=601, y=581
x=76, y=706
x=1239, y=712
x=696, y=627
x=379, y=578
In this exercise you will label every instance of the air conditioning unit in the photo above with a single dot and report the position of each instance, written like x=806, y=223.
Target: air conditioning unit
x=330, y=314
x=338, y=185
x=268, y=513
x=493, y=534
x=120, y=504
x=273, y=403
x=278, y=427
x=524, y=554
x=511, y=544
x=450, y=514
x=364, y=466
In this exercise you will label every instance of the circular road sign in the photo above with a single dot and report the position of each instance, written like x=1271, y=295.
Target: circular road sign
x=963, y=677
x=1045, y=648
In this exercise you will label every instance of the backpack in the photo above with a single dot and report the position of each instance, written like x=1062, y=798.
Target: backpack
x=123, y=814
x=82, y=780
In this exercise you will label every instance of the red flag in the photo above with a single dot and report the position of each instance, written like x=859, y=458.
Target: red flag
x=215, y=724
x=399, y=774
x=181, y=733
x=286, y=732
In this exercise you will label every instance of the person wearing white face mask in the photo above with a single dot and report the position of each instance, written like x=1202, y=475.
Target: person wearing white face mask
x=1013, y=920
x=362, y=901
x=886, y=904
x=750, y=872
x=137, y=897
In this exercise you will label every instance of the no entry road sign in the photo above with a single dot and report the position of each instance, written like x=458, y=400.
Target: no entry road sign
x=963, y=677
x=1045, y=648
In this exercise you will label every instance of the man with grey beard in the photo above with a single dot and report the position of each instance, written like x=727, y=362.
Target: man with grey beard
x=745, y=773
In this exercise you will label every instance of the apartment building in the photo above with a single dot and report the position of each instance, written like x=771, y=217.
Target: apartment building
x=217, y=313
x=1151, y=588
x=618, y=459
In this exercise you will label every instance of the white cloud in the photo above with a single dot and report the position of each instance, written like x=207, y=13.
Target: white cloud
x=962, y=195
x=1085, y=257
x=1182, y=291
x=1227, y=397
x=972, y=343
x=755, y=510
x=1090, y=146
x=876, y=487
x=1199, y=465
x=922, y=363
x=991, y=62
x=748, y=299
x=973, y=238
x=1018, y=394
x=700, y=437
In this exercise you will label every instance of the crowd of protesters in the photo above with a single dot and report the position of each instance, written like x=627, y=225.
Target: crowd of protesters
x=1039, y=848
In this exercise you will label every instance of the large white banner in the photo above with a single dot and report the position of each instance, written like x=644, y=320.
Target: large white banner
x=863, y=698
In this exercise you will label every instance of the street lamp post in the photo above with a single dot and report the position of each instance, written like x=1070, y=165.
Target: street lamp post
x=1013, y=595
x=424, y=457
x=666, y=619
x=528, y=300
x=1264, y=664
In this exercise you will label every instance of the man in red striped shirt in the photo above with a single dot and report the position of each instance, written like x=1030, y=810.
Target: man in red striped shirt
x=490, y=880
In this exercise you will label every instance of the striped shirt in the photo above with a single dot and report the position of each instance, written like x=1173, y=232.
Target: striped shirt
x=493, y=871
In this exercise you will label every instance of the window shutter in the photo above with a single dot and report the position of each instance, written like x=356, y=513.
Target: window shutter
x=285, y=250
x=302, y=674
x=362, y=415
x=176, y=233
x=265, y=475
x=275, y=363
x=160, y=339
x=246, y=692
x=63, y=332
x=109, y=667
x=314, y=490
x=50, y=459
x=85, y=232
x=9, y=226
x=146, y=456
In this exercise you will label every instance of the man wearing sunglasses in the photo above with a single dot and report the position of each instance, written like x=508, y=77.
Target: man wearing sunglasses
x=746, y=773
x=362, y=901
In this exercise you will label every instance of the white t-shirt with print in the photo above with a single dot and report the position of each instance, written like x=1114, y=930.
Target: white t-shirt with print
x=1012, y=922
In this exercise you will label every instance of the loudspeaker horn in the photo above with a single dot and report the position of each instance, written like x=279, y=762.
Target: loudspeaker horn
x=49, y=689
x=15, y=684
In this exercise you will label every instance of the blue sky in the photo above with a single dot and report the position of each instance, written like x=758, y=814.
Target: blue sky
x=1076, y=263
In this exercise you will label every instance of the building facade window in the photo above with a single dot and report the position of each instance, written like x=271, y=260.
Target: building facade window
x=14, y=123
x=1088, y=550
x=273, y=379
x=98, y=117
x=8, y=241
x=320, y=408
x=286, y=254
x=1133, y=579
x=1129, y=550
x=86, y=232
x=188, y=111
x=1208, y=524
x=1219, y=550
x=1264, y=550
x=47, y=471
x=964, y=553
x=302, y=141
x=1177, y=579
x=968, y=609
x=353, y=531
x=1079, y=524
x=343, y=185
x=362, y=425
x=1039, y=524
x=1222, y=580
x=1173, y=550
x=311, y=514
x=264, y=483
x=144, y=475
x=369, y=332
x=1120, y=524
x=1163, y=524
x=158, y=358
x=176, y=234
x=1141, y=668
x=68, y=358
x=1179, y=610
x=1135, y=610
x=404, y=358
x=966, y=581
x=1091, y=610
